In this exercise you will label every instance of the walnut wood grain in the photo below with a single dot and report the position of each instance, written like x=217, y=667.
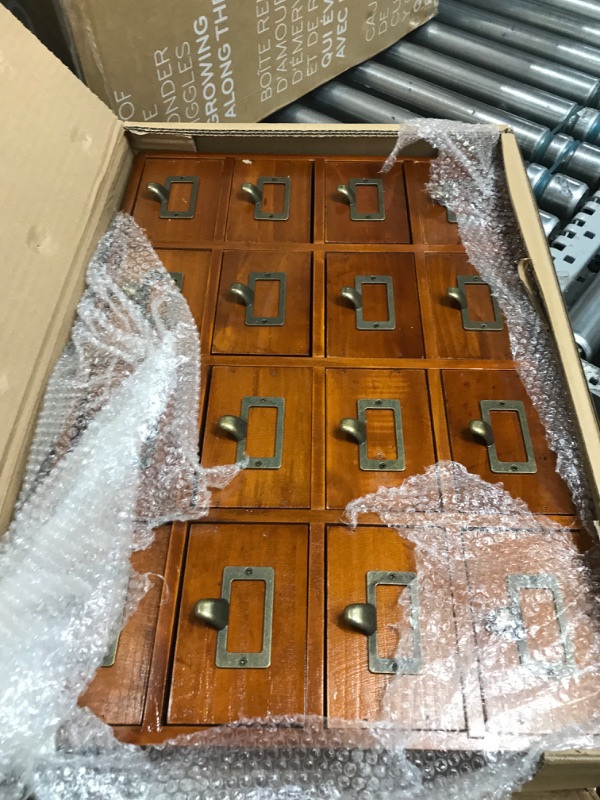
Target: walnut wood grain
x=117, y=693
x=176, y=233
x=232, y=335
x=241, y=224
x=343, y=337
x=338, y=225
x=432, y=698
x=201, y=692
x=545, y=491
x=450, y=339
x=288, y=486
x=345, y=480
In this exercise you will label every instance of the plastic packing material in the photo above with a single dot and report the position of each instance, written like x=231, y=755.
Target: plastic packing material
x=468, y=178
x=115, y=455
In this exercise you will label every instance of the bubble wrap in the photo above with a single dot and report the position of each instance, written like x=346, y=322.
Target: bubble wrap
x=115, y=455
x=468, y=178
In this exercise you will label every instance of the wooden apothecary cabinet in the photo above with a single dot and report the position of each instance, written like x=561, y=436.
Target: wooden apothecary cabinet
x=337, y=360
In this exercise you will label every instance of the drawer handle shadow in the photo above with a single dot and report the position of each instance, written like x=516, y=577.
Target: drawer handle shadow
x=245, y=294
x=237, y=427
x=357, y=429
x=348, y=191
x=355, y=297
x=162, y=193
x=255, y=193
x=215, y=612
x=482, y=429
x=363, y=617
x=458, y=296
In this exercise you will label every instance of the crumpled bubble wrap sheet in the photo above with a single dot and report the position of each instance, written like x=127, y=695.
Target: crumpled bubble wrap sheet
x=468, y=178
x=115, y=455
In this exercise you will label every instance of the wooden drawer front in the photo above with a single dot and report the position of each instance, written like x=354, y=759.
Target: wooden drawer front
x=543, y=491
x=180, y=232
x=423, y=697
x=345, y=387
x=548, y=680
x=449, y=339
x=428, y=220
x=289, y=485
x=203, y=693
x=277, y=320
x=398, y=333
x=242, y=225
x=340, y=227
x=192, y=268
x=117, y=693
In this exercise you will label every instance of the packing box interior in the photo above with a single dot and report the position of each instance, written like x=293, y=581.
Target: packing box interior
x=68, y=160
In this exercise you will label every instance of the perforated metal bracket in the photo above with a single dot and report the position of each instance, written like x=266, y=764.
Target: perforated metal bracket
x=355, y=296
x=510, y=620
x=482, y=428
x=349, y=192
x=178, y=278
x=238, y=428
x=245, y=293
x=357, y=429
x=215, y=612
x=363, y=617
x=162, y=192
x=255, y=192
x=459, y=296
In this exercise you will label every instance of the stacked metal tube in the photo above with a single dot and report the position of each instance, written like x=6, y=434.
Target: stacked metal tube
x=535, y=68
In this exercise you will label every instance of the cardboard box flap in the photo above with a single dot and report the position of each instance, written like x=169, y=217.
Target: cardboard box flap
x=550, y=300
x=59, y=194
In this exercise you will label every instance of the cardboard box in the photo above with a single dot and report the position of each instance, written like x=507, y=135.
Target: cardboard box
x=226, y=60
x=61, y=190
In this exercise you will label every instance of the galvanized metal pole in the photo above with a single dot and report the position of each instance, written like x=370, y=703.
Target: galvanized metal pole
x=557, y=194
x=581, y=161
x=582, y=29
x=585, y=321
x=353, y=105
x=299, y=113
x=523, y=67
x=504, y=93
x=586, y=8
x=526, y=37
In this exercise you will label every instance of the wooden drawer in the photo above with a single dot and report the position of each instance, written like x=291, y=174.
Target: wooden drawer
x=543, y=490
x=204, y=693
x=388, y=306
x=346, y=480
x=390, y=199
x=448, y=336
x=533, y=633
x=284, y=486
x=270, y=313
x=428, y=220
x=117, y=693
x=191, y=268
x=409, y=610
x=196, y=224
x=293, y=200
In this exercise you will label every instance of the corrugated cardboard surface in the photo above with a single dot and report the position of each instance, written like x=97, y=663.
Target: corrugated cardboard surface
x=63, y=162
x=226, y=60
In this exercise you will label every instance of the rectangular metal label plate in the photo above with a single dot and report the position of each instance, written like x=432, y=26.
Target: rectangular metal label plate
x=388, y=324
x=267, y=322
x=496, y=324
x=273, y=216
x=164, y=212
x=526, y=467
x=395, y=666
x=261, y=660
x=397, y=464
